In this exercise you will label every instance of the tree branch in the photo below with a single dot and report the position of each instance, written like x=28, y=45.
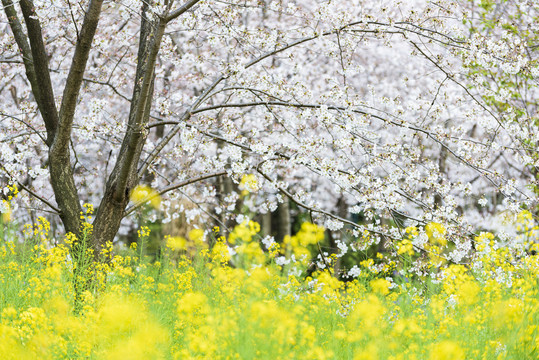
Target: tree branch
x=22, y=186
x=76, y=74
x=132, y=208
x=401, y=123
x=179, y=11
x=193, y=108
x=137, y=126
x=24, y=47
x=320, y=211
x=40, y=75
x=45, y=201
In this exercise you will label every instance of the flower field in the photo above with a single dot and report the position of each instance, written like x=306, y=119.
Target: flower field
x=272, y=179
x=205, y=302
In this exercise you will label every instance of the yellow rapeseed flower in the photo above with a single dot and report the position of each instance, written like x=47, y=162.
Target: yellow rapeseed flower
x=447, y=350
x=145, y=194
x=508, y=313
x=176, y=242
x=380, y=286
x=436, y=233
x=405, y=247
x=143, y=232
x=468, y=293
x=369, y=316
x=196, y=235
x=193, y=303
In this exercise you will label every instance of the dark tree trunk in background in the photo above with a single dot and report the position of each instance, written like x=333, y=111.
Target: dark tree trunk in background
x=265, y=224
x=281, y=224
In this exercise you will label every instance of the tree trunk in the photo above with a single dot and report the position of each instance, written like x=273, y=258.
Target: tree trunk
x=282, y=225
x=124, y=177
x=265, y=226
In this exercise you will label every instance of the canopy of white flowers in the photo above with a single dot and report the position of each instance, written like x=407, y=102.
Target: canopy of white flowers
x=410, y=112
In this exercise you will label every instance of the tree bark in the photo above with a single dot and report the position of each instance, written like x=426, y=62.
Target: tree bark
x=282, y=225
x=265, y=226
x=61, y=171
x=124, y=176
x=40, y=69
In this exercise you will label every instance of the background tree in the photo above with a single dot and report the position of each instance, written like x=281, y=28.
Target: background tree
x=371, y=107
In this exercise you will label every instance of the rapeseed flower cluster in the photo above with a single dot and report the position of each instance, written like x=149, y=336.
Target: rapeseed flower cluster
x=210, y=296
x=10, y=192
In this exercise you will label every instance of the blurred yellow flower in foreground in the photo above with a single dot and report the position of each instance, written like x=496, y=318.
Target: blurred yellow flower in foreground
x=446, y=350
x=380, y=286
x=196, y=235
x=176, y=242
x=144, y=193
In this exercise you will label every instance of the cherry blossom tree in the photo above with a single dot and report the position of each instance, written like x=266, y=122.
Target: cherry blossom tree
x=391, y=110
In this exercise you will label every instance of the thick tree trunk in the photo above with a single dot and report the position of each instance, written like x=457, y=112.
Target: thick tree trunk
x=124, y=177
x=61, y=170
x=65, y=190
